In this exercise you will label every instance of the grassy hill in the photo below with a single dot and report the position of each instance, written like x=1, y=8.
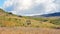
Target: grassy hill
x=8, y=19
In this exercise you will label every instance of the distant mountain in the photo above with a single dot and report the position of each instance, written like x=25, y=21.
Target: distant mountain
x=52, y=14
x=57, y=14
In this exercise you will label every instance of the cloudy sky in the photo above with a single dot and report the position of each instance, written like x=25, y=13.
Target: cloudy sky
x=30, y=7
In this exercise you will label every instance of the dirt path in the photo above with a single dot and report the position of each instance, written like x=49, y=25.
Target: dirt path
x=23, y=30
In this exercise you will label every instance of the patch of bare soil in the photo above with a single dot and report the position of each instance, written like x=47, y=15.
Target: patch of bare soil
x=28, y=30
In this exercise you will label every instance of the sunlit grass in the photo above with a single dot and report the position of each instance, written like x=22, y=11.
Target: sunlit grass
x=11, y=20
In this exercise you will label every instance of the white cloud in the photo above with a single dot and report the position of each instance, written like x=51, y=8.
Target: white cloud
x=8, y=3
x=18, y=4
x=23, y=5
x=50, y=7
x=0, y=7
x=26, y=4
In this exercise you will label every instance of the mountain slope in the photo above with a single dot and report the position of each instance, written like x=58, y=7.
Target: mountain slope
x=10, y=20
x=57, y=14
x=52, y=14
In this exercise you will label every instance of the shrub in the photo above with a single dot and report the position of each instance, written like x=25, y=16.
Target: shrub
x=44, y=20
x=56, y=21
x=56, y=27
x=9, y=13
x=1, y=25
x=28, y=22
x=19, y=16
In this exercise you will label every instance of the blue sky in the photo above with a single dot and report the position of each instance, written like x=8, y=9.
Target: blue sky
x=1, y=3
x=30, y=7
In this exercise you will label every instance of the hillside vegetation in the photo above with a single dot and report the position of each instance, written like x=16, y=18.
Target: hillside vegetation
x=8, y=19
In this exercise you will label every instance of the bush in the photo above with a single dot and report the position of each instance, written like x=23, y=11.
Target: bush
x=56, y=27
x=9, y=13
x=44, y=20
x=1, y=25
x=28, y=22
x=19, y=16
x=56, y=21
